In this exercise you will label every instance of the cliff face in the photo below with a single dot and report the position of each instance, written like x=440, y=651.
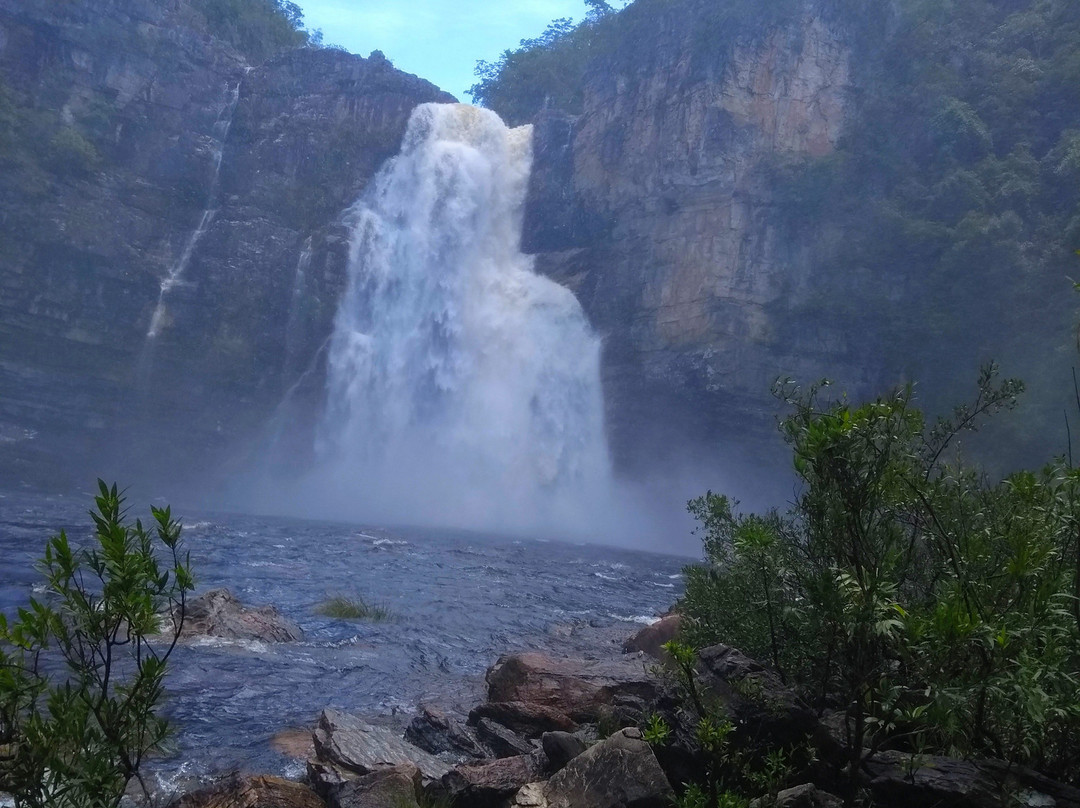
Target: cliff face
x=654, y=206
x=137, y=149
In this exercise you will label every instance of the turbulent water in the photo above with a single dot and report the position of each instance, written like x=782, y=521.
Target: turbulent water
x=462, y=386
x=460, y=599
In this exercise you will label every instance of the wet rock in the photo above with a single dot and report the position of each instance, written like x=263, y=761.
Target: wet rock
x=804, y=796
x=503, y=742
x=650, y=640
x=294, y=743
x=489, y=784
x=395, y=787
x=620, y=772
x=897, y=780
x=360, y=747
x=530, y=720
x=577, y=688
x=218, y=613
x=438, y=733
x=246, y=791
x=561, y=747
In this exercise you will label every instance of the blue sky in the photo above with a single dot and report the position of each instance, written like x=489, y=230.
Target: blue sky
x=439, y=40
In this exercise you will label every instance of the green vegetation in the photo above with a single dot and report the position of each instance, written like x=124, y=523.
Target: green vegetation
x=936, y=610
x=340, y=607
x=258, y=28
x=82, y=669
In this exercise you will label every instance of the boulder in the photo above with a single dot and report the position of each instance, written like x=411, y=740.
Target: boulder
x=503, y=742
x=395, y=787
x=530, y=720
x=362, y=748
x=620, y=772
x=251, y=791
x=897, y=779
x=764, y=709
x=490, y=783
x=561, y=747
x=577, y=688
x=438, y=733
x=218, y=613
x=804, y=796
x=650, y=640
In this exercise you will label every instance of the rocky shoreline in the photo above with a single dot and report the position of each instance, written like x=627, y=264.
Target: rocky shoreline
x=561, y=732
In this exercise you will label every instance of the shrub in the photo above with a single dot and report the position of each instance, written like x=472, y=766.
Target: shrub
x=935, y=609
x=344, y=608
x=82, y=669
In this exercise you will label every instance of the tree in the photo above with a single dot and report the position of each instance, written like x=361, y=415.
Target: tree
x=82, y=669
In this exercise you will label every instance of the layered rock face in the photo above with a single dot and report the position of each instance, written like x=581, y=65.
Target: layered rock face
x=654, y=206
x=138, y=148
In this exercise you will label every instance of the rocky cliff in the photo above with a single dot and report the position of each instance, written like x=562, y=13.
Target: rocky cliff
x=739, y=199
x=654, y=206
x=171, y=249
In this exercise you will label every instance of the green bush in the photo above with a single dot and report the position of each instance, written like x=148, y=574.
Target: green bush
x=82, y=669
x=257, y=28
x=934, y=609
x=345, y=608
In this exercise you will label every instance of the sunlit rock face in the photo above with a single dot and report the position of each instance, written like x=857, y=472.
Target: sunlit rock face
x=229, y=176
x=653, y=206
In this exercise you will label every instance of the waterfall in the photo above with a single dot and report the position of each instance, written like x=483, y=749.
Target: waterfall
x=174, y=277
x=462, y=387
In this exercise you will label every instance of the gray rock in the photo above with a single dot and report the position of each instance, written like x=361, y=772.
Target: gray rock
x=440, y=734
x=218, y=613
x=620, y=772
x=804, y=796
x=896, y=780
x=561, y=747
x=360, y=747
x=503, y=742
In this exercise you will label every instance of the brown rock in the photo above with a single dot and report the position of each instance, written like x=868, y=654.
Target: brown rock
x=577, y=688
x=258, y=791
x=295, y=743
x=395, y=787
x=651, y=638
x=218, y=613
x=530, y=720
x=489, y=784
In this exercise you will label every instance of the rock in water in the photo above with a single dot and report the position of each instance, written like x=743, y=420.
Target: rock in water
x=621, y=772
x=579, y=689
x=261, y=791
x=218, y=613
x=362, y=748
x=650, y=640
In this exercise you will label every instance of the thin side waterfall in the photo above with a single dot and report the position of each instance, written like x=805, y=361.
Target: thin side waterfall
x=296, y=302
x=174, y=277
x=462, y=387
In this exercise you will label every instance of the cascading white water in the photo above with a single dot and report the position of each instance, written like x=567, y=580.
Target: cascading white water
x=462, y=387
